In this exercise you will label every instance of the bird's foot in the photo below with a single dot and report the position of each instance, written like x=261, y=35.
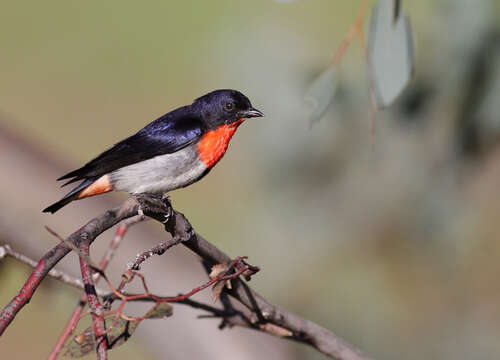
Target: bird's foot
x=155, y=206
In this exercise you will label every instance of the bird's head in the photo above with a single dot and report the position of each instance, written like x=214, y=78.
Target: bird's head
x=225, y=107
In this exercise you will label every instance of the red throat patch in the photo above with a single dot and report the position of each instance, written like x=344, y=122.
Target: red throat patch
x=213, y=144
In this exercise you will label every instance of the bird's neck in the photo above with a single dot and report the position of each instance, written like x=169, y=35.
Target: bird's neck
x=214, y=143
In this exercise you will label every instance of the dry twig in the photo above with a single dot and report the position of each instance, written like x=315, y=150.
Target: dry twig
x=261, y=315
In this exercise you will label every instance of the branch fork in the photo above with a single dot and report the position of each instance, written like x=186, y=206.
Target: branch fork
x=258, y=313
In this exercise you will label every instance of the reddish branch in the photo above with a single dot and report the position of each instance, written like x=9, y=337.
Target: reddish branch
x=229, y=315
x=7, y=251
x=303, y=330
x=90, y=231
x=96, y=310
x=231, y=271
x=158, y=249
x=108, y=255
x=68, y=329
x=262, y=314
x=355, y=30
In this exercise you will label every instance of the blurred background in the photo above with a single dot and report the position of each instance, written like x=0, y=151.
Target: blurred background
x=393, y=248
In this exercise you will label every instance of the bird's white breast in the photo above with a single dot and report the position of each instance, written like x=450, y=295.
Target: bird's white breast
x=161, y=173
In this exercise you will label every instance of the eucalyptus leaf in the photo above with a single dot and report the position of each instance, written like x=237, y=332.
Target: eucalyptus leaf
x=81, y=344
x=160, y=311
x=390, y=52
x=320, y=94
x=85, y=342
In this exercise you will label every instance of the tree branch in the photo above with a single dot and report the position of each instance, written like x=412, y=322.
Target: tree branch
x=108, y=255
x=6, y=250
x=303, y=330
x=264, y=314
x=89, y=231
x=96, y=310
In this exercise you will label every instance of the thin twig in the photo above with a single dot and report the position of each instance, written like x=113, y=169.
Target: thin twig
x=268, y=315
x=120, y=233
x=6, y=250
x=355, y=30
x=89, y=231
x=68, y=330
x=96, y=309
x=155, y=250
x=108, y=255
x=302, y=330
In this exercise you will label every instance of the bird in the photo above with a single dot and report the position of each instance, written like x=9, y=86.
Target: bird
x=173, y=151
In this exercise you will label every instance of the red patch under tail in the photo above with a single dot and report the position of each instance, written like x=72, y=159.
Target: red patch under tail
x=100, y=186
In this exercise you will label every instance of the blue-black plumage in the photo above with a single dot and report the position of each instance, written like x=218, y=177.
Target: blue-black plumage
x=173, y=151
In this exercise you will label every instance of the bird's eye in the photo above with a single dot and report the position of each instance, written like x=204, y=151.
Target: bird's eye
x=229, y=106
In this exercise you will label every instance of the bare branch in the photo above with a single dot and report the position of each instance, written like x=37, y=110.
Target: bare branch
x=120, y=233
x=89, y=231
x=108, y=255
x=262, y=314
x=155, y=250
x=96, y=309
x=6, y=250
x=303, y=330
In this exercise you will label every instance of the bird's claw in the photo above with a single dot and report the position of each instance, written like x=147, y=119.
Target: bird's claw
x=153, y=205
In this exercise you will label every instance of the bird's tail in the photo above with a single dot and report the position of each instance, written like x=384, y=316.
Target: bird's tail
x=61, y=203
x=69, y=197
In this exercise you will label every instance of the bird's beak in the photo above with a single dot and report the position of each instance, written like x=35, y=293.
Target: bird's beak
x=250, y=113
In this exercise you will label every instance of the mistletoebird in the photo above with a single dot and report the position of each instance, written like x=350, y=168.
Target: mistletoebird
x=172, y=152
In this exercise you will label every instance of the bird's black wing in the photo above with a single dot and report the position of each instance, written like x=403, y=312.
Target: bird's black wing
x=165, y=135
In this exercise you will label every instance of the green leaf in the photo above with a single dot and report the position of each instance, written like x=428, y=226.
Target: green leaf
x=85, y=342
x=390, y=52
x=160, y=311
x=81, y=344
x=320, y=94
